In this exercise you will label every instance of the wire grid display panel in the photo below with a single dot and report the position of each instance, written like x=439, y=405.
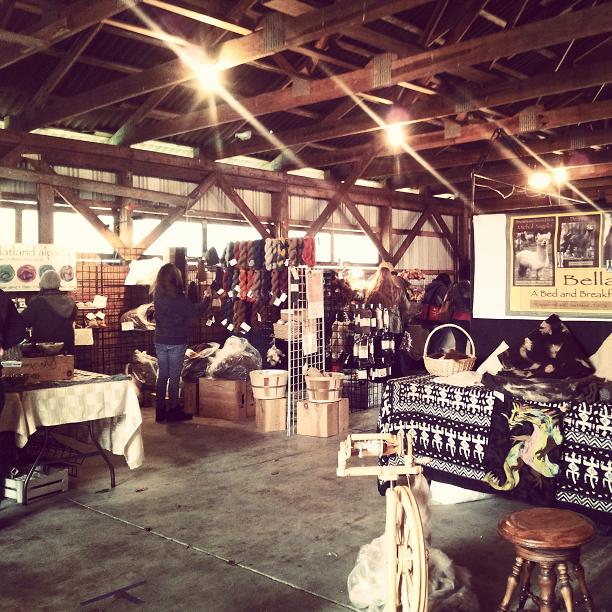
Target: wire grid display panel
x=299, y=359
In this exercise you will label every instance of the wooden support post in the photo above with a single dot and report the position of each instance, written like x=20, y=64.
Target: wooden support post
x=280, y=213
x=45, y=195
x=385, y=223
x=19, y=225
x=126, y=225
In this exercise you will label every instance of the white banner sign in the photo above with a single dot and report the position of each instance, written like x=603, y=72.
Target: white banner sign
x=22, y=265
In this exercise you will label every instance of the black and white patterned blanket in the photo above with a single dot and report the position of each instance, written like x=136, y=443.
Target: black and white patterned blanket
x=452, y=426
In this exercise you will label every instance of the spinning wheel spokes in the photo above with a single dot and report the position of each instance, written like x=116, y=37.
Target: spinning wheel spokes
x=406, y=557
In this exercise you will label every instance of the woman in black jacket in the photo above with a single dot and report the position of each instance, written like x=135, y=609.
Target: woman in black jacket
x=51, y=313
x=173, y=312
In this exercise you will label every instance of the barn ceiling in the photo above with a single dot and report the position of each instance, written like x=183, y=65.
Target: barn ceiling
x=315, y=83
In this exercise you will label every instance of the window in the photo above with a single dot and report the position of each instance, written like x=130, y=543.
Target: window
x=354, y=248
x=29, y=227
x=219, y=234
x=73, y=230
x=322, y=244
x=7, y=225
x=186, y=234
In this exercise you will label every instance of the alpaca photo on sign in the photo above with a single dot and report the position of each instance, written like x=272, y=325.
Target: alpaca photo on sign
x=532, y=244
x=578, y=241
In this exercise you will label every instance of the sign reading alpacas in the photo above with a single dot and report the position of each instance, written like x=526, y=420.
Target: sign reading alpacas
x=560, y=264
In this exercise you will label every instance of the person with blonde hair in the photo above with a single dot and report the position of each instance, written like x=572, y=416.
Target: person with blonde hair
x=173, y=312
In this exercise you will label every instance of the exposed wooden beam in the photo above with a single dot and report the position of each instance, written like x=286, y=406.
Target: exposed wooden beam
x=465, y=100
x=44, y=195
x=356, y=173
x=448, y=235
x=544, y=33
x=269, y=40
x=129, y=126
x=126, y=224
x=385, y=223
x=530, y=120
x=72, y=19
x=414, y=232
x=58, y=180
x=21, y=40
x=365, y=226
x=280, y=213
x=434, y=19
x=470, y=12
x=242, y=206
x=79, y=45
x=177, y=212
x=80, y=154
x=6, y=10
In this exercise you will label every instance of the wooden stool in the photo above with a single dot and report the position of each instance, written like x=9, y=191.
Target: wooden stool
x=550, y=538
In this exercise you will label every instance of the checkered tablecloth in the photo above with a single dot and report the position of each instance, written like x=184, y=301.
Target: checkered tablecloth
x=112, y=405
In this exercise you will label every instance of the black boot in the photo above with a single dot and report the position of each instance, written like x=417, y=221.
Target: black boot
x=176, y=415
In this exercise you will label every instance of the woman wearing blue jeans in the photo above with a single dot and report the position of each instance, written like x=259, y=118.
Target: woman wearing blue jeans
x=173, y=312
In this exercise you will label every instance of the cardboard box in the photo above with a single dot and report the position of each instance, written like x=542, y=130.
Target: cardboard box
x=271, y=414
x=225, y=399
x=322, y=419
x=42, y=369
x=190, y=397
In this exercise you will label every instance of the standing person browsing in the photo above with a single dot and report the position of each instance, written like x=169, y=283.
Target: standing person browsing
x=173, y=312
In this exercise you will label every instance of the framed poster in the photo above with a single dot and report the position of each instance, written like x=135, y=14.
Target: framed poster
x=560, y=263
x=22, y=265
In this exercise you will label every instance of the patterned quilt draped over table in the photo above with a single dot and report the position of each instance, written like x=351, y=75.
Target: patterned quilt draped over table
x=452, y=426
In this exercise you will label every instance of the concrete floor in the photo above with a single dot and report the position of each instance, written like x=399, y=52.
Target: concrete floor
x=221, y=517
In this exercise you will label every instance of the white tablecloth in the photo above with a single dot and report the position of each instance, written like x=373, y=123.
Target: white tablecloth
x=112, y=404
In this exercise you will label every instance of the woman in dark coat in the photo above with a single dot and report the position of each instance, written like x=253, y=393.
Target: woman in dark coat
x=51, y=313
x=173, y=313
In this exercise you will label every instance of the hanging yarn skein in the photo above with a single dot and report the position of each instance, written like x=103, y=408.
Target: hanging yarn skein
x=293, y=251
x=256, y=285
x=250, y=258
x=275, y=286
x=281, y=252
x=244, y=255
x=308, y=256
x=269, y=252
x=258, y=254
x=243, y=284
x=248, y=295
x=266, y=286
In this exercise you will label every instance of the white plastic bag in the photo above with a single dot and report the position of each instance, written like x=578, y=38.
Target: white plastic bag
x=143, y=271
x=235, y=360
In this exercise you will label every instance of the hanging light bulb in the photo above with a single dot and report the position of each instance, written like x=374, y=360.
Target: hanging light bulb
x=395, y=134
x=539, y=179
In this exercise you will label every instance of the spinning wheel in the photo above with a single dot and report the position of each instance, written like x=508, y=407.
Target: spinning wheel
x=406, y=553
x=404, y=540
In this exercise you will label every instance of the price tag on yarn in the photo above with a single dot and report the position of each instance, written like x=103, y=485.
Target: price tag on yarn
x=277, y=301
x=230, y=327
x=294, y=287
x=230, y=294
x=237, y=288
x=251, y=263
x=362, y=374
x=100, y=315
x=258, y=317
x=221, y=291
x=90, y=316
x=294, y=273
x=209, y=322
x=127, y=326
x=232, y=262
x=283, y=297
x=286, y=263
x=249, y=294
x=245, y=327
x=224, y=322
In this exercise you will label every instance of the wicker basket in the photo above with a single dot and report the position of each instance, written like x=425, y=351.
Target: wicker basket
x=325, y=388
x=446, y=367
x=269, y=384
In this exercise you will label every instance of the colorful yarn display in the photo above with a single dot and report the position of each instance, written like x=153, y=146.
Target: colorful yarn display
x=237, y=249
x=258, y=254
x=269, y=252
x=235, y=280
x=308, y=255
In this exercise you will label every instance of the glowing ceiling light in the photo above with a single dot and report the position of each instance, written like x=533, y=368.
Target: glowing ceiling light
x=539, y=179
x=208, y=77
x=395, y=134
x=559, y=175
